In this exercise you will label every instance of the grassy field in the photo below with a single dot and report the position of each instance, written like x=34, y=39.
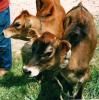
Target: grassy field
x=16, y=86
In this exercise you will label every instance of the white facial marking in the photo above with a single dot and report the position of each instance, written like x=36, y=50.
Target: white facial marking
x=66, y=60
x=48, y=49
x=68, y=54
x=33, y=69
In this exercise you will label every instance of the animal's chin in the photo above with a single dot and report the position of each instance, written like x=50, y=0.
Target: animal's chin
x=34, y=74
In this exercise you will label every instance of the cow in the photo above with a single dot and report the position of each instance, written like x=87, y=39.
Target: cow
x=80, y=31
x=48, y=57
x=25, y=23
x=48, y=52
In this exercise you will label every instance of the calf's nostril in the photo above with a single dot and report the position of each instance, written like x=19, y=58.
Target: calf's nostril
x=26, y=71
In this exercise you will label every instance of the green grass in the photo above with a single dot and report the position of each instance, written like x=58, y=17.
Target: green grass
x=16, y=86
x=92, y=88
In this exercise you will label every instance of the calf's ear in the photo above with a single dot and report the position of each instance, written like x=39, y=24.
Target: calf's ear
x=65, y=45
x=25, y=13
x=65, y=50
x=38, y=4
x=67, y=21
x=33, y=34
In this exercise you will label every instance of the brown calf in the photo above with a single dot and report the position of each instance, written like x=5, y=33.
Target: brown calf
x=25, y=23
x=80, y=31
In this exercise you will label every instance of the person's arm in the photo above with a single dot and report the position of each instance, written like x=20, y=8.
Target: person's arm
x=4, y=4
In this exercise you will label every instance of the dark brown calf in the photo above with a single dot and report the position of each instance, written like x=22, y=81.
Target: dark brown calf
x=80, y=31
x=48, y=53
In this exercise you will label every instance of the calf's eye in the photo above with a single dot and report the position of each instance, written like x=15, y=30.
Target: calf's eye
x=17, y=25
x=48, y=54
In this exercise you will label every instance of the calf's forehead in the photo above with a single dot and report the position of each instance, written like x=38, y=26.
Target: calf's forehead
x=39, y=47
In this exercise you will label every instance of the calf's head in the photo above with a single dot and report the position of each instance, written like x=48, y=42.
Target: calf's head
x=48, y=53
x=22, y=25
